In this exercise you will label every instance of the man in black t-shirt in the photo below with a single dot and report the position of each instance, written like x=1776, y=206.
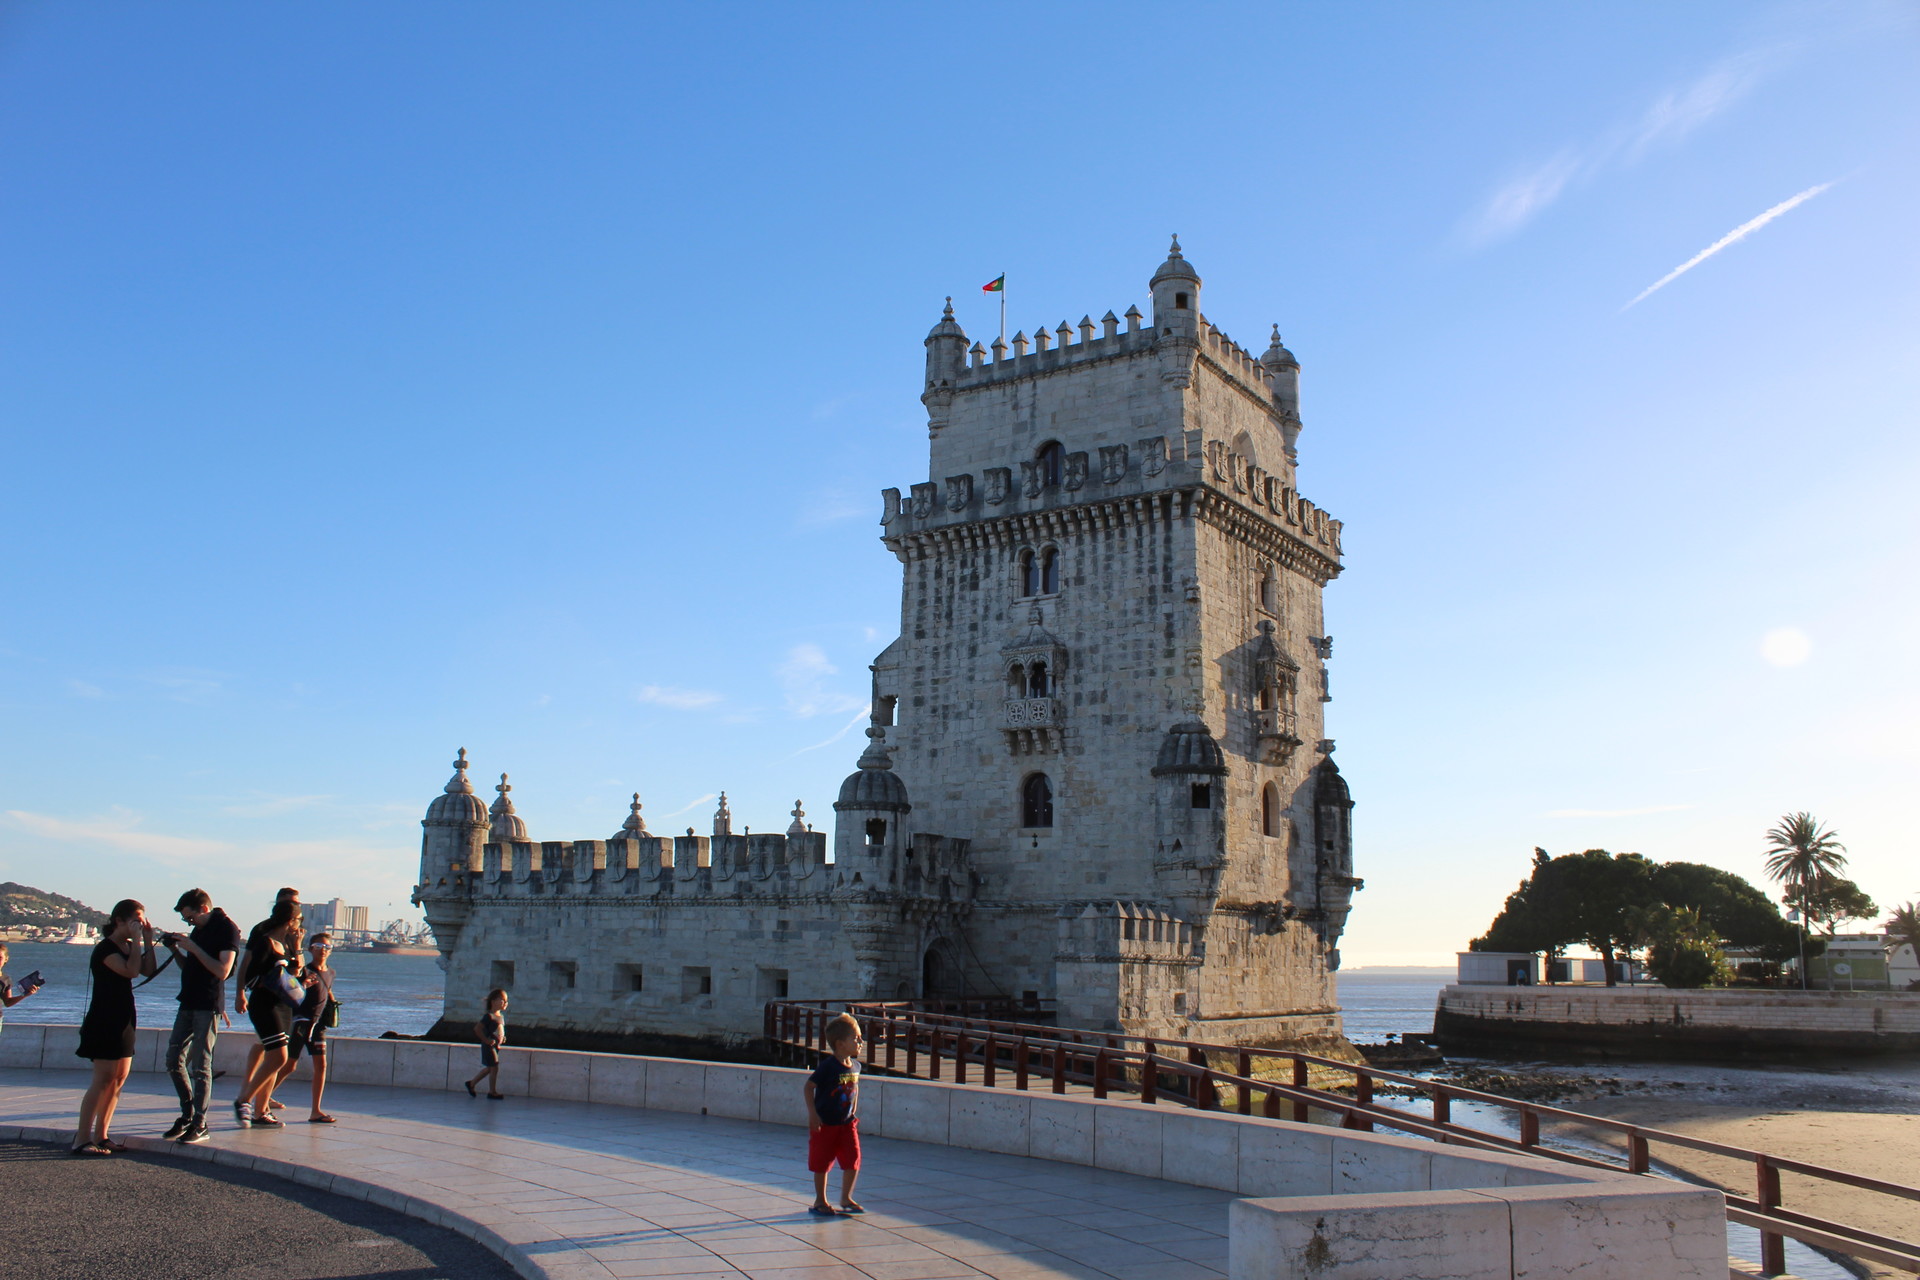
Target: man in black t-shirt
x=206, y=958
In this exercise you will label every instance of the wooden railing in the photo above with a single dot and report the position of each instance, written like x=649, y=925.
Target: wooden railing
x=909, y=1038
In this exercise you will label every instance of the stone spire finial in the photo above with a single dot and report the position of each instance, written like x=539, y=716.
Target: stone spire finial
x=877, y=755
x=504, y=825
x=503, y=804
x=723, y=818
x=798, y=827
x=458, y=785
x=635, y=824
x=1276, y=355
x=949, y=311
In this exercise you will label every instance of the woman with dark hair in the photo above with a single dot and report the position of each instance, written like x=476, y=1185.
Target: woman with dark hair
x=273, y=958
x=106, y=1032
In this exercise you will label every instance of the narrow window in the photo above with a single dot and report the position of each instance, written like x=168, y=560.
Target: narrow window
x=695, y=981
x=1036, y=802
x=1037, y=686
x=631, y=978
x=1016, y=681
x=1266, y=697
x=1049, y=572
x=1180, y=301
x=1053, y=465
x=1201, y=796
x=1270, y=810
x=876, y=830
x=1029, y=574
x=560, y=975
x=1269, y=592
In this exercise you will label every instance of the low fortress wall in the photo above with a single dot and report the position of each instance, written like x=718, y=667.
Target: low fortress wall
x=1322, y=1202
x=1655, y=1021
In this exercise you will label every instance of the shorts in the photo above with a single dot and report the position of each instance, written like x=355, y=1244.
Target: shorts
x=105, y=1042
x=308, y=1036
x=272, y=1022
x=834, y=1142
x=489, y=1056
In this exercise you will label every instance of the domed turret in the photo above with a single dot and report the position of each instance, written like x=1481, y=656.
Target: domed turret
x=1176, y=296
x=946, y=361
x=1190, y=748
x=874, y=785
x=458, y=804
x=1285, y=372
x=504, y=825
x=635, y=825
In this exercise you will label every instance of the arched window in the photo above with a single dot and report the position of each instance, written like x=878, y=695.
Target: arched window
x=1016, y=681
x=1049, y=572
x=876, y=830
x=1265, y=697
x=1037, y=686
x=1029, y=573
x=1053, y=464
x=1036, y=801
x=1269, y=591
x=1270, y=816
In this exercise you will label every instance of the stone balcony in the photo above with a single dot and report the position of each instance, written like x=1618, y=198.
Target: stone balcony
x=1277, y=733
x=1027, y=713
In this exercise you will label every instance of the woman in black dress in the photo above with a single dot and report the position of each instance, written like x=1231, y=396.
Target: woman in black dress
x=106, y=1032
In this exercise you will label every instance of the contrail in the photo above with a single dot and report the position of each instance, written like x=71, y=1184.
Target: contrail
x=1734, y=236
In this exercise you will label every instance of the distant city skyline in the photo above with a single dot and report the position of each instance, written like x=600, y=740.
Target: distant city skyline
x=383, y=383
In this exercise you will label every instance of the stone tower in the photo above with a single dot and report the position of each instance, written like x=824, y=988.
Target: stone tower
x=1111, y=671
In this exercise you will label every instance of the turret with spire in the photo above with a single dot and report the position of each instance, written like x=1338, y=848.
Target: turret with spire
x=946, y=361
x=504, y=825
x=722, y=818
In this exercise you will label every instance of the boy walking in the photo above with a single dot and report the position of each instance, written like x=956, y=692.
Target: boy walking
x=833, y=1125
x=491, y=1032
x=206, y=959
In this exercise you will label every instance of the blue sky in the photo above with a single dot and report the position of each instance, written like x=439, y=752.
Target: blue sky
x=384, y=380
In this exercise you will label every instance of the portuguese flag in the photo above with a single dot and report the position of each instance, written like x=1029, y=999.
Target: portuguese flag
x=997, y=285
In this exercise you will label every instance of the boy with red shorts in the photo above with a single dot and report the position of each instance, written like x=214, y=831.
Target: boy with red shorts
x=833, y=1133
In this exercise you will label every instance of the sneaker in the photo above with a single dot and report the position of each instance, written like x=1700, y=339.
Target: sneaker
x=178, y=1127
x=243, y=1112
x=195, y=1135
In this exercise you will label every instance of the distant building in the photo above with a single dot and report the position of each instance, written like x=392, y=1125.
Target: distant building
x=334, y=917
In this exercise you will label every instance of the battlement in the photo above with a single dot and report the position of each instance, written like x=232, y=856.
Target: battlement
x=1123, y=930
x=1068, y=346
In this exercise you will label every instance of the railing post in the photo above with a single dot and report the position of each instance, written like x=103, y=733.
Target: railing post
x=1363, y=1094
x=1637, y=1161
x=1529, y=1128
x=1099, y=1073
x=913, y=1046
x=1146, y=1064
x=892, y=1025
x=987, y=1053
x=1271, y=1107
x=1059, y=1056
x=1442, y=1106
x=933, y=1051
x=1020, y=1064
x=1299, y=1082
x=1149, y=1079
x=1244, y=1069
x=1203, y=1095
x=1773, y=1246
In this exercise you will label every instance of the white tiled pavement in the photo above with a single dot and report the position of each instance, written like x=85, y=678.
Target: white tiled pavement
x=579, y=1191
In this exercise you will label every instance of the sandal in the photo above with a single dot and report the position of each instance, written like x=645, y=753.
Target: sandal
x=276, y=1105
x=322, y=1118
x=90, y=1149
x=823, y=1211
x=268, y=1122
x=112, y=1147
x=851, y=1206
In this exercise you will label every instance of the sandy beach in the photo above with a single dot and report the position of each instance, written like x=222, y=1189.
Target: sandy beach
x=1859, y=1117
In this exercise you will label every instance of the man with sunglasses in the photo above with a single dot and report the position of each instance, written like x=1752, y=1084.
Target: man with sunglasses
x=206, y=958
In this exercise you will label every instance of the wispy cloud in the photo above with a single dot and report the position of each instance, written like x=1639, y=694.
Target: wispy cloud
x=692, y=804
x=1732, y=237
x=119, y=829
x=273, y=806
x=845, y=729
x=1665, y=121
x=806, y=674
x=668, y=695
x=1617, y=813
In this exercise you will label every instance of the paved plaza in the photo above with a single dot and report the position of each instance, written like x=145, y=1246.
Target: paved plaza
x=578, y=1190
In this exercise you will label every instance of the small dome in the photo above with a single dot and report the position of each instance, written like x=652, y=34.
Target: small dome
x=1174, y=268
x=506, y=825
x=948, y=326
x=635, y=825
x=1329, y=787
x=1277, y=356
x=458, y=803
x=1190, y=748
x=874, y=785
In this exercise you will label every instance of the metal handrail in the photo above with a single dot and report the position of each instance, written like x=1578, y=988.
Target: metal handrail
x=1112, y=1061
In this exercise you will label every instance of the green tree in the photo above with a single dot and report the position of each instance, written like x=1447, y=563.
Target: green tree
x=1903, y=930
x=1585, y=897
x=1831, y=902
x=1739, y=913
x=1801, y=854
x=1683, y=947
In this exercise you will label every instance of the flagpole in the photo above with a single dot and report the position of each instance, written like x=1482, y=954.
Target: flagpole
x=1003, y=309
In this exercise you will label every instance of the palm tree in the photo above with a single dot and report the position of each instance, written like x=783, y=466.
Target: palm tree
x=1903, y=929
x=1802, y=853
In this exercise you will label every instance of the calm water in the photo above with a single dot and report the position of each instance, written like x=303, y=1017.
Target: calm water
x=1389, y=1001
x=376, y=992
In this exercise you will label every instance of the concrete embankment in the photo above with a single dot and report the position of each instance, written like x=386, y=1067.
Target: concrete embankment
x=1654, y=1022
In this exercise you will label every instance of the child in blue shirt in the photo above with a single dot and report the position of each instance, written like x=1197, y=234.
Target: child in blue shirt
x=833, y=1125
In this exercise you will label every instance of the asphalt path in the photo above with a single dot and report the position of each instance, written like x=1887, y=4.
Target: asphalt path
x=63, y=1216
